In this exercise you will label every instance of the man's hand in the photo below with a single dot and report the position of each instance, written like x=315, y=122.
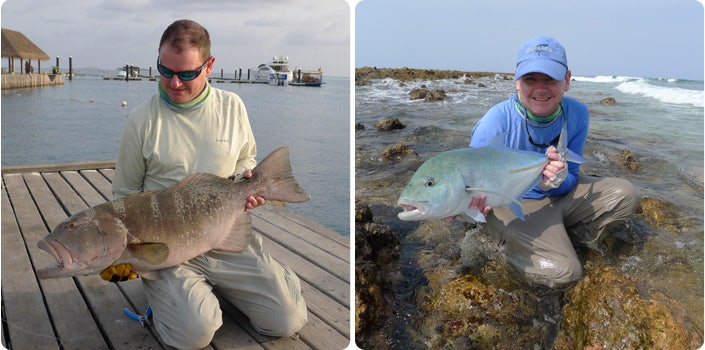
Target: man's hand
x=252, y=201
x=476, y=205
x=118, y=273
x=555, y=171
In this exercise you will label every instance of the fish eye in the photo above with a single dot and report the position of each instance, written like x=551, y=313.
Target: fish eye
x=430, y=183
x=71, y=224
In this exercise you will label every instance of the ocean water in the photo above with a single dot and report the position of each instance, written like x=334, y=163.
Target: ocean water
x=83, y=120
x=659, y=120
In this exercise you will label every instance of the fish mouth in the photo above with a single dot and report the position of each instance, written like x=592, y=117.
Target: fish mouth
x=413, y=210
x=65, y=259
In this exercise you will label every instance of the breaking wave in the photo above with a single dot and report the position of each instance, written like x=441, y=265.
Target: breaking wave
x=666, y=94
x=668, y=90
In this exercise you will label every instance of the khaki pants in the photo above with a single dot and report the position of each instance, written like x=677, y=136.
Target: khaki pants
x=186, y=313
x=541, y=248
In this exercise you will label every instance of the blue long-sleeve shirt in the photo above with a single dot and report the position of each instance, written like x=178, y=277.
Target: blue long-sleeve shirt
x=506, y=117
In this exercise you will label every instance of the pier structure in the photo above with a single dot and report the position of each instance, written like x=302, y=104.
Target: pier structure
x=16, y=45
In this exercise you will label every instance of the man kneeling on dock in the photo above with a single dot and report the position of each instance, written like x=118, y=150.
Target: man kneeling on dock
x=191, y=127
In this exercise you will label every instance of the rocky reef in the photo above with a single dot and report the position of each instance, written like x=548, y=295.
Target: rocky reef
x=608, y=309
x=376, y=258
x=364, y=75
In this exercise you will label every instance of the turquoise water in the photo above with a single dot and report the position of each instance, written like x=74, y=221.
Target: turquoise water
x=83, y=119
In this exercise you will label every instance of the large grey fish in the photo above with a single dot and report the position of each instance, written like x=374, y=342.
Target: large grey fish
x=445, y=184
x=164, y=228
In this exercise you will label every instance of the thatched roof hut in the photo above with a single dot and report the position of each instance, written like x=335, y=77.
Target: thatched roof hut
x=16, y=45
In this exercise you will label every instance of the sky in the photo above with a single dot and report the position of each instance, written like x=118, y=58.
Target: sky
x=107, y=34
x=644, y=38
x=636, y=38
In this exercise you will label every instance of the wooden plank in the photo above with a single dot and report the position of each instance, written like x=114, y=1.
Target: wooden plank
x=281, y=232
x=334, y=313
x=329, y=284
x=83, y=189
x=312, y=226
x=28, y=321
x=107, y=172
x=44, y=168
x=70, y=316
x=319, y=335
x=100, y=182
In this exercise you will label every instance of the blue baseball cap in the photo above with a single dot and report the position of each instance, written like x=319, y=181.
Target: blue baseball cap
x=542, y=54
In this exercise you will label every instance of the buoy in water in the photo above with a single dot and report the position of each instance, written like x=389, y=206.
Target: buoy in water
x=124, y=104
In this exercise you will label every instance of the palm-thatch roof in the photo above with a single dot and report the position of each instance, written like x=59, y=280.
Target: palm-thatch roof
x=16, y=45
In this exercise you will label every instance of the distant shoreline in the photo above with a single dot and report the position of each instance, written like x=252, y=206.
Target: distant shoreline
x=364, y=74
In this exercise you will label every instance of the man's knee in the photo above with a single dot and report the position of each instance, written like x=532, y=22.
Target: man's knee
x=566, y=273
x=556, y=273
x=285, y=324
x=625, y=197
x=188, y=332
x=188, y=335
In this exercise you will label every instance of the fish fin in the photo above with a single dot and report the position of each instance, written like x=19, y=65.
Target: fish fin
x=204, y=178
x=475, y=214
x=153, y=253
x=239, y=237
x=149, y=274
x=515, y=206
x=573, y=157
x=276, y=169
x=563, y=147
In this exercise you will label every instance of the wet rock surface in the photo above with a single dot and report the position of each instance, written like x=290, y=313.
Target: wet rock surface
x=427, y=95
x=629, y=160
x=397, y=151
x=388, y=124
x=608, y=309
x=608, y=101
x=663, y=215
x=376, y=257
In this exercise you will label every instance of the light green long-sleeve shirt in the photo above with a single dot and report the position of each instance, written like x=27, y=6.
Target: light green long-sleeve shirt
x=160, y=146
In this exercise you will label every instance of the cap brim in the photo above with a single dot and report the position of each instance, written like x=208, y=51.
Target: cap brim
x=541, y=65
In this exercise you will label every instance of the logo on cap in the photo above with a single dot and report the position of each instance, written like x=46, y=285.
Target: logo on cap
x=538, y=49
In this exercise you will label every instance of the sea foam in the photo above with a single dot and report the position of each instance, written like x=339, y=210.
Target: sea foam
x=666, y=94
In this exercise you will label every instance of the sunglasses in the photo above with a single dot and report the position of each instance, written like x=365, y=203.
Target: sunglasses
x=185, y=75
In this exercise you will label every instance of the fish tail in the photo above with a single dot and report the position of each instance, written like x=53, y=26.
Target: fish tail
x=281, y=184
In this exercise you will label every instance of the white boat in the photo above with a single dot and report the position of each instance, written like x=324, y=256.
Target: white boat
x=282, y=73
x=307, y=77
x=262, y=73
x=122, y=74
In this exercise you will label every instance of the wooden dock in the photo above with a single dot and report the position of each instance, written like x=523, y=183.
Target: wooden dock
x=87, y=312
x=18, y=81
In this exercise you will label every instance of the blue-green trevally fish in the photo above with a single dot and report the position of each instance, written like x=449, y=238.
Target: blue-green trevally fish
x=445, y=184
